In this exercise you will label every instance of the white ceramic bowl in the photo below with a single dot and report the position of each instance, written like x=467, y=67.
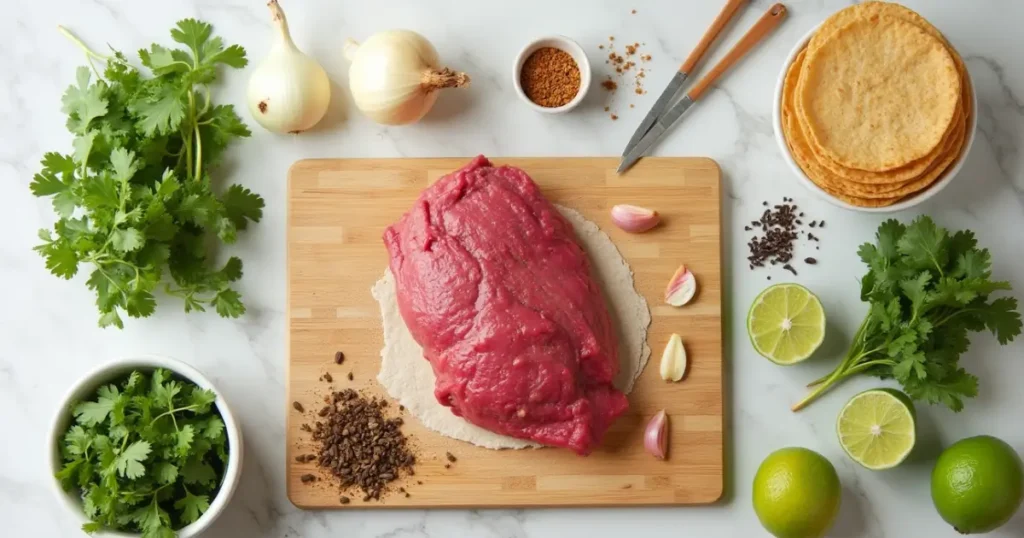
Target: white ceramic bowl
x=106, y=373
x=564, y=44
x=972, y=129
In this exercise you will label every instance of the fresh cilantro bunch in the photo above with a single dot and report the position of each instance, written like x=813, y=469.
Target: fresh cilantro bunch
x=147, y=454
x=135, y=199
x=927, y=291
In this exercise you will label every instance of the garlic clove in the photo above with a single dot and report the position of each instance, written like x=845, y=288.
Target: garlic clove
x=673, y=359
x=681, y=287
x=656, y=436
x=634, y=219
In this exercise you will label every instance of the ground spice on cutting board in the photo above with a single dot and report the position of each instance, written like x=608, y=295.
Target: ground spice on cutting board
x=359, y=445
x=550, y=77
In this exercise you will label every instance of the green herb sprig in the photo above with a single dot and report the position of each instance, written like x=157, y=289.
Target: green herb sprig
x=146, y=453
x=927, y=289
x=135, y=196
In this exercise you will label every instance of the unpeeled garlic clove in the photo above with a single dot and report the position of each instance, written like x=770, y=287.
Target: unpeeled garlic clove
x=681, y=287
x=673, y=359
x=634, y=219
x=656, y=436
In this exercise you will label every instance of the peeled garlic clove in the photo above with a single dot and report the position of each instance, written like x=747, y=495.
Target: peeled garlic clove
x=681, y=287
x=634, y=219
x=673, y=359
x=656, y=436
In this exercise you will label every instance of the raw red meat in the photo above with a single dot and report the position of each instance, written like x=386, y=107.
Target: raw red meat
x=495, y=288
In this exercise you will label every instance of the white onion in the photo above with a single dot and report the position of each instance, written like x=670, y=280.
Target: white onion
x=395, y=75
x=288, y=92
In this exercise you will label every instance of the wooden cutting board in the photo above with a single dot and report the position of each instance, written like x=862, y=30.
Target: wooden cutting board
x=337, y=211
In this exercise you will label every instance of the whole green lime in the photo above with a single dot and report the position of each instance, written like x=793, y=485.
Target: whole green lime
x=796, y=493
x=978, y=484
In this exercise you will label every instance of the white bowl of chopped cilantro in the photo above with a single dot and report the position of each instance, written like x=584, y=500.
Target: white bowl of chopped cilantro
x=145, y=445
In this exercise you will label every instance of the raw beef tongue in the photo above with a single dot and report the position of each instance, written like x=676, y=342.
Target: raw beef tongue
x=494, y=287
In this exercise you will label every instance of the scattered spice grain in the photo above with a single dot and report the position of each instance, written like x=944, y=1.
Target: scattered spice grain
x=350, y=376
x=780, y=228
x=609, y=84
x=614, y=117
x=307, y=478
x=360, y=446
x=450, y=457
x=339, y=357
x=298, y=407
x=550, y=77
x=344, y=500
x=328, y=378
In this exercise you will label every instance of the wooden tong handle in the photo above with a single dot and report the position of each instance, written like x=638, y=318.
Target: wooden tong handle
x=730, y=9
x=764, y=25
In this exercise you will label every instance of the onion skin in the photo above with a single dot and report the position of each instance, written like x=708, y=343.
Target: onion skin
x=656, y=436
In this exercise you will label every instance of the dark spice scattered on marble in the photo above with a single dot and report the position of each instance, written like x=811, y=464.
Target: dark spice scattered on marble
x=810, y=261
x=298, y=407
x=780, y=228
x=339, y=357
x=360, y=446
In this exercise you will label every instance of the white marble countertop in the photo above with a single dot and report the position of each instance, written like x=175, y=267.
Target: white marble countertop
x=49, y=335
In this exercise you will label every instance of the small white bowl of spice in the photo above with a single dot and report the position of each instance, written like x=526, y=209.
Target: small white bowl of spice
x=552, y=74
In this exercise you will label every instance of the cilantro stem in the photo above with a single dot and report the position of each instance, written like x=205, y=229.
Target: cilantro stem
x=172, y=412
x=89, y=53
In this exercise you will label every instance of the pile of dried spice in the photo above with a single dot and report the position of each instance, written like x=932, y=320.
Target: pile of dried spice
x=780, y=226
x=550, y=77
x=359, y=445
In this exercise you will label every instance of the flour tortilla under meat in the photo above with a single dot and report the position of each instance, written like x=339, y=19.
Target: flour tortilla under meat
x=408, y=377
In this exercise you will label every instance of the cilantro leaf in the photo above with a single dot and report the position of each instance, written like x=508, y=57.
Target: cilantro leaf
x=242, y=205
x=183, y=439
x=924, y=245
x=193, y=34
x=162, y=61
x=161, y=115
x=129, y=461
x=127, y=239
x=229, y=303
x=201, y=399
x=61, y=259
x=92, y=413
x=1002, y=318
x=192, y=506
x=83, y=102
x=198, y=472
x=165, y=472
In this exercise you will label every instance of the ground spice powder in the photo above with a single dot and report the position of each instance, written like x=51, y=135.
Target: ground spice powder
x=550, y=77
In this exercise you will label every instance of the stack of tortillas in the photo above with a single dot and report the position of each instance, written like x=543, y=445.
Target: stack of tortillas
x=876, y=107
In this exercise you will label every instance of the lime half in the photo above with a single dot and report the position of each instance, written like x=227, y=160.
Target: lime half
x=786, y=323
x=876, y=428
